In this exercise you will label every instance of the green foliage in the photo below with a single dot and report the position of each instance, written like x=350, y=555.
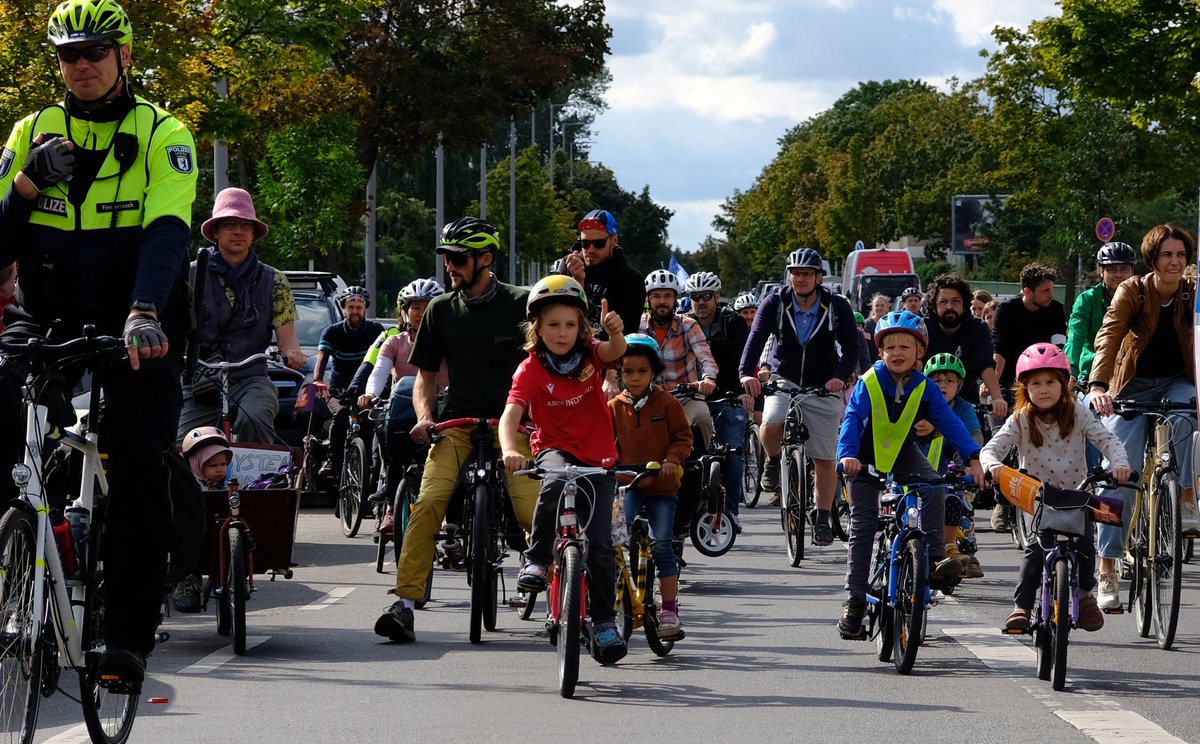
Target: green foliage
x=405, y=236
x=545, y=225
x=927, y=270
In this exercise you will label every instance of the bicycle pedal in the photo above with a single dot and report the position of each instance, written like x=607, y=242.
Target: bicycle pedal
x=862, y=636
x=1116, y=611
x=115, y=685
x=1015, y=631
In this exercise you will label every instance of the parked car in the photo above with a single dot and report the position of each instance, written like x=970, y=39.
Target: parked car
x=317, y=308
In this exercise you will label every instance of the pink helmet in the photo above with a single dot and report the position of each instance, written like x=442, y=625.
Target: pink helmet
x=1042, y=356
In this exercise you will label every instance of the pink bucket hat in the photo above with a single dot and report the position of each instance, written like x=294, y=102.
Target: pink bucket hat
x=236, y=203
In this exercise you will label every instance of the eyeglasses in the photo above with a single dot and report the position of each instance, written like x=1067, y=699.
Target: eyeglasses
x=456, y=258
x=802, y=273
x=703, y=296
x=236, y=225
x=92, y=54
x=597, y=243
x=956, y=302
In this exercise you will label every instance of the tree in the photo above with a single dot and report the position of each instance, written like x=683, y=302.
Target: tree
x=545, y=225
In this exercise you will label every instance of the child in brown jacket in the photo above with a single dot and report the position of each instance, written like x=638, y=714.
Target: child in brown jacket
x=651, y=426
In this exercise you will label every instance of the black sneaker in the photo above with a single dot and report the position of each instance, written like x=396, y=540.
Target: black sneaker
x=396, y=624
x=850, y=626
x=122, y=667
x=822, y=534
x=187, y=594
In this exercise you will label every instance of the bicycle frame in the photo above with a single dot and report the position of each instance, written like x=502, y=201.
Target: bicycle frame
x=569, y=533
x=903, y=523
x=1064, y=549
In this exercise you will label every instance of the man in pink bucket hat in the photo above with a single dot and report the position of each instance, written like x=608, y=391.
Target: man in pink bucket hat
x=244, y=299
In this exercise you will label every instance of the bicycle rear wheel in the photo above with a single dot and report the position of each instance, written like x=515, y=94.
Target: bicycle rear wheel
x=20, y=652
x=909, y=613
x=350, y=492
x=796, y=507
x=1060, y=623
x=1141, y=597
x=570, y=588
x=235, y=588
x=752, y=468
x=1166, y=559
x=406, y=500
x=841, y=510
x=478, y=563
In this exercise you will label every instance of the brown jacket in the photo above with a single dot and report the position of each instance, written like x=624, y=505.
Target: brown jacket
x=1118, y=344
x=659, y=431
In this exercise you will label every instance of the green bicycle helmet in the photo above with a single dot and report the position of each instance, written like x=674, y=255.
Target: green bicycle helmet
x=81, y=21
x=470, y=234
x=945, y=363
x=859, y=319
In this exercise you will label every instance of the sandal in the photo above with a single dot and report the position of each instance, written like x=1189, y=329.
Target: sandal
x=1018, y=621
x=532, y=578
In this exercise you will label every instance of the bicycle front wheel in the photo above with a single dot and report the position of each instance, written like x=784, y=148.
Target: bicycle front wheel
x=108, y=710
x=1166, y=558
x=796, y=507
x=656, y=643
x=752, y=467
x=909, y=613
x=1060, y=623
x=478, y=562
x=570, y=590
x=20, y=652
x=236, y=588
x=350, y=493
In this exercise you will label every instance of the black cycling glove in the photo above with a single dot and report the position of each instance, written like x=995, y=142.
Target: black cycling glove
x=49, y=163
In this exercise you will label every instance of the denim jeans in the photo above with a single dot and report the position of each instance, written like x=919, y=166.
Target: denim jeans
x=1111, y=539
x=730, y=422
x=660, y=514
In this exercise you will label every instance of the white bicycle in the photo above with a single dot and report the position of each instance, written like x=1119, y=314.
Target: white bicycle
x=51, y=621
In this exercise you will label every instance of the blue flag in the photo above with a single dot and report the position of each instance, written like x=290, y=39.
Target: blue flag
x=680, y=273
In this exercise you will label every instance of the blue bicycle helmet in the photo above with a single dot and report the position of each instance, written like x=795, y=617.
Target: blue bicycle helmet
x=901, y=322
x=640, y=344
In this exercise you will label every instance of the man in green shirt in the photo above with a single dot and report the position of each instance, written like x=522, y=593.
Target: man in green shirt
x=1115, y=262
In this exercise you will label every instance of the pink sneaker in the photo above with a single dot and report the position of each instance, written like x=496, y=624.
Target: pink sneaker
x=669, y=626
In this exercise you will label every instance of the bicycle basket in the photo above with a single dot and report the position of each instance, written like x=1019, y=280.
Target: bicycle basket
x=1062, y=511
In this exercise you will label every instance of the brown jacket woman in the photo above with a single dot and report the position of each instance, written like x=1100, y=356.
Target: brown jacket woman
x=658, y=431
x=1130, y=323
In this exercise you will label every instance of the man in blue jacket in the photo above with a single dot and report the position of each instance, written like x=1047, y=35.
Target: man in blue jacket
x=810, y=324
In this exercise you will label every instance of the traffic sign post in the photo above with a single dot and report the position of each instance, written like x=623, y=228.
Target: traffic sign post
x=1105, y=229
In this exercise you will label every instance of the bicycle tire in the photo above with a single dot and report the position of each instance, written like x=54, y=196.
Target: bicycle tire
x=1166, y=559
x=796, y=504
x=492, y=592
x=20, y=654
x=1141, y=597
x=841, y=510
x=526, y=610
x=1041, y=642
x=406, y=499
x=752, y=468
x=477, y=561
x=235, y=588
x=424, y=600
x=108, y=712
x=1018, y=532
x=1061, y=623
x=713, y=487
x=570, y=590
x=709, y=539
x=623, y=603
x=657, y=644
x=909, y=611
x=879, y=614
x=350, y=490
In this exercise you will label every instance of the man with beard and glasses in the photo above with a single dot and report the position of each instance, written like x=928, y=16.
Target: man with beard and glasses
x=476, y=329
x=810, y=323
x=953, y=330
x=685, y=353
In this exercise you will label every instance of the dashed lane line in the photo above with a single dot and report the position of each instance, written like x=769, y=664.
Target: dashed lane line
x=217, y=658
x=329, y=599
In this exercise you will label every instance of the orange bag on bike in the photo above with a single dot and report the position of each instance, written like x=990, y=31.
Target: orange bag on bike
x=1019, y=488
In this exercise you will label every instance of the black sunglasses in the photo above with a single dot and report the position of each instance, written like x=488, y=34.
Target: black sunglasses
x=92, y=54
x=597, y=243
x=456, y=258
x=703, y=296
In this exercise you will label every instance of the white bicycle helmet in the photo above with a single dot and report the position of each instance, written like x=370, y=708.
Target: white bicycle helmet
x=420, y=289
x=745, y=300
x=702, y=281
x=662, y=279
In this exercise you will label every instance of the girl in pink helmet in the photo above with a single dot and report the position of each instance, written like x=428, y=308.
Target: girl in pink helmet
x=1049, y=432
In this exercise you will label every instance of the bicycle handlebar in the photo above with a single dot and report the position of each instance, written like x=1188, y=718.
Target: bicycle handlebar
x=637, y=471
x=688, y=390
x=795, y=391
x=1129, y=409
x=85, y=346
x=1104, y=478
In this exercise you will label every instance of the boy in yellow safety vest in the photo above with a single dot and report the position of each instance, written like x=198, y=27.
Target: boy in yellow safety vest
x=948, y=373
x=878, y=430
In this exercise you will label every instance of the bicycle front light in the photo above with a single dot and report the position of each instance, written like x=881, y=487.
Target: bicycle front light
x=21, y=474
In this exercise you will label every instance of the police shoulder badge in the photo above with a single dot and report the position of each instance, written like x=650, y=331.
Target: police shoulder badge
x=180, y=158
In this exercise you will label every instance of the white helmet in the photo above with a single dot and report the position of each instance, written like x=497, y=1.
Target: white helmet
x=662, y=279
x=745, y=300
x=702, y=281
x=420, y=289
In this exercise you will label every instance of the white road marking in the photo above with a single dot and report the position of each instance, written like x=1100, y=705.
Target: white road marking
x=329, y=599
x=76, y=735
x=217, y=658
x=1106, y=723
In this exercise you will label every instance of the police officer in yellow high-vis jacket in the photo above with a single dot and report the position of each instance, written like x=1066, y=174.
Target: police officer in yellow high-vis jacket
x=97, y=201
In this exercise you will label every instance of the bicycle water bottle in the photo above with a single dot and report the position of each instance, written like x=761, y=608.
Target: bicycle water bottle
x=80, y=519
x=62, y=539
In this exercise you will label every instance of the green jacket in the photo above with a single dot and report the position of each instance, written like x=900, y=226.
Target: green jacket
x=1086, y=318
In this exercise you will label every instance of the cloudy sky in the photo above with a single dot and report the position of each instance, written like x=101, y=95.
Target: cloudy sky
x=703, y=89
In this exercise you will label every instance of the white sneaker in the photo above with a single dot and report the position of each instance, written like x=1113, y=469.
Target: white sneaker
x=1189, y=518
x=1108, y=591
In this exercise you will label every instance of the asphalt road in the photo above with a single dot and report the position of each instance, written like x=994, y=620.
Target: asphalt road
x=762, y=661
